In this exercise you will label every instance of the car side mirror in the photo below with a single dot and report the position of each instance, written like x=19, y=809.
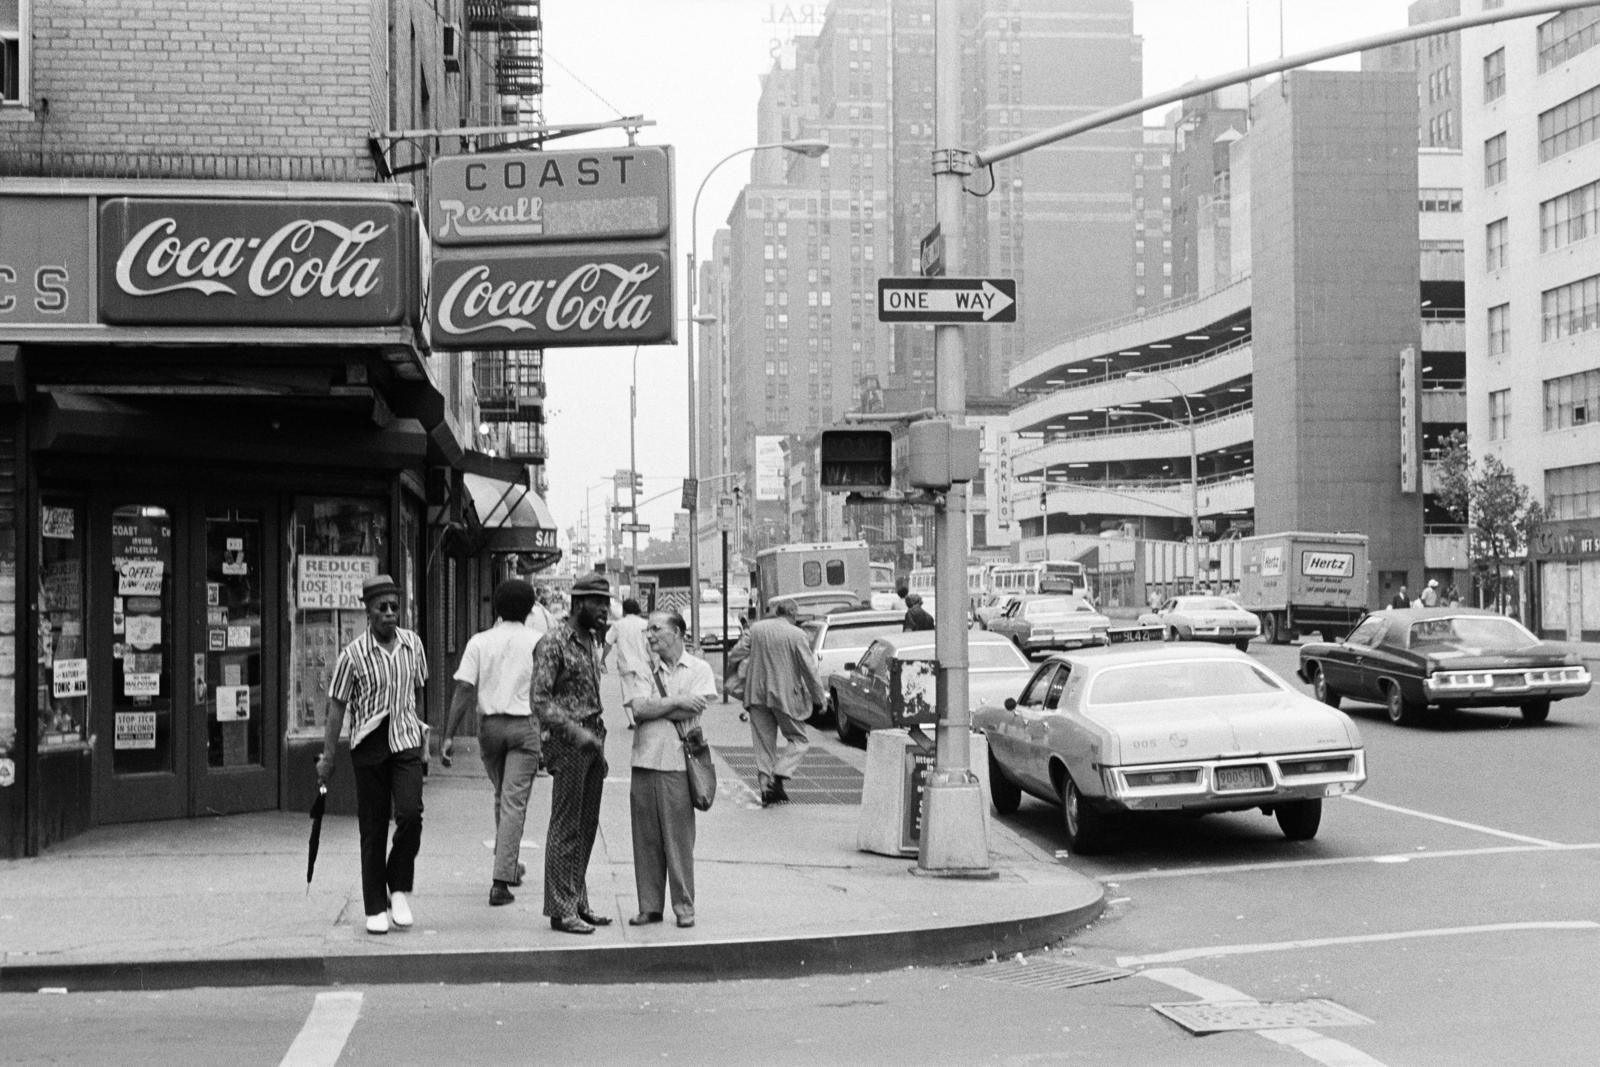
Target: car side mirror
x=1011, y=703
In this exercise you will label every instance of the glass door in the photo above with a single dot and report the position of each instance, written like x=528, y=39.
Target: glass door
x=140, y=720
x=233, y=702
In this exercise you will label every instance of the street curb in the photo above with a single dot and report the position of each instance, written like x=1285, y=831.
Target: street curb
x=703, y=961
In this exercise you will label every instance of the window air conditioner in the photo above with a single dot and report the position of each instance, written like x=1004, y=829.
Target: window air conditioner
x=452, y=48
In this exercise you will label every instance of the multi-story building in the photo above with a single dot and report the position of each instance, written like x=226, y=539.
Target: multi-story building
x=1283, y=388
x=1533, y=289
x=799, y=340
x=219, y=416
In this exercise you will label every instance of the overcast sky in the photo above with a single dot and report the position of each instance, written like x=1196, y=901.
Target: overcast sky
x=693, y=67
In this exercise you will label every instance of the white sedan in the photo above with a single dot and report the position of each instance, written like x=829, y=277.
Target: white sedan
x=1159, y=727
x=1204, y=618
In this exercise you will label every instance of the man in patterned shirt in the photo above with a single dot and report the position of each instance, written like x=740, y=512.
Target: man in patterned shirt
x=565, y=692
x=379, y=678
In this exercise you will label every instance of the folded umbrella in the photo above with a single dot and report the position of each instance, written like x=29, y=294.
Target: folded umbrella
x=318, y=806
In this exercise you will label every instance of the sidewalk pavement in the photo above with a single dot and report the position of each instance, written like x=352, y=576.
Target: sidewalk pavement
x=779, y=891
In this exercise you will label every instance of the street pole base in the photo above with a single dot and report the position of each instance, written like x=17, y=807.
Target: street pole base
x=954, y=842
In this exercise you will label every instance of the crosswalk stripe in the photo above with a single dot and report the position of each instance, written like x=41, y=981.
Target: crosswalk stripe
x=321, y=1040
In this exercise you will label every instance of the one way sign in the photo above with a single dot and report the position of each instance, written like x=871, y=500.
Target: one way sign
x=947, y=300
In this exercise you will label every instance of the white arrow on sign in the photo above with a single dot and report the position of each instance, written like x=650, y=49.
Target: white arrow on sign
x=986, y=301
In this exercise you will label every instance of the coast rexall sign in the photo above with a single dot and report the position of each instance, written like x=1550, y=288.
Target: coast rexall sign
x=256, y=262
x=552, y=249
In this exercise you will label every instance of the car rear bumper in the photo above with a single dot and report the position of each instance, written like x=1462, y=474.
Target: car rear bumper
x=1062, y=642
x=1204, y=785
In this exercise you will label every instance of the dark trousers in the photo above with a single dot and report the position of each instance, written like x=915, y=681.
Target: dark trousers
x=578, y=775
x=387, y=783
x=663, y=840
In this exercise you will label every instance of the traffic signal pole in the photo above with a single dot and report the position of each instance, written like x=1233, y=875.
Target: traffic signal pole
x=954, y=840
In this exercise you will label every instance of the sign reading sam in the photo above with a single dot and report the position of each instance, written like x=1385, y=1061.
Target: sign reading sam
x=256, y=262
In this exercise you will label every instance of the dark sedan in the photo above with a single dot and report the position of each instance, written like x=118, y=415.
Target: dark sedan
x=1414, y=659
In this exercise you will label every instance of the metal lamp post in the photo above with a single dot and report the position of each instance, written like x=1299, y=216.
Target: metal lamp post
x=810, y=148
x=633, y=477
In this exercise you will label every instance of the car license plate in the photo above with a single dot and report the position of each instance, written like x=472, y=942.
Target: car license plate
x=1254, y=777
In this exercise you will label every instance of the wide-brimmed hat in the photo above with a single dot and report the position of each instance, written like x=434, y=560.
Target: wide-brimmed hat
x=593, y=584
x=377, y=586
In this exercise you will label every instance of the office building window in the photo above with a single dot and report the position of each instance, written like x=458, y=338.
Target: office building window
x=1499, y=329
x=1572, y=492
x=1439, y=200
x=1571, y=400
x=1494, y=159
x=1570, y=309
x=1564, y=36
x=1494, y=75
x=1569, y=217
x=1495, y=242
x=1569, y=125
x=1499, y=414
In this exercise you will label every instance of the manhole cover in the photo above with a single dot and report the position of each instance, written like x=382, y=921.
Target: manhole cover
x=1210, y=1017
x=821, y=778
x=1050, y=974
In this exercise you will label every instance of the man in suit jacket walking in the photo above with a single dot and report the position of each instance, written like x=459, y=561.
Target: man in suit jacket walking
x=781, y=691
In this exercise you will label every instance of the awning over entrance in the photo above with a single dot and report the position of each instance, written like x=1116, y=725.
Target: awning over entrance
x=507, y=516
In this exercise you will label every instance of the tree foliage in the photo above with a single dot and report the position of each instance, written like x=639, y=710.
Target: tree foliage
x=1499, y=512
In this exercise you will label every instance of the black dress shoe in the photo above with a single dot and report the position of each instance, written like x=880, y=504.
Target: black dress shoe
x=645, y=918
x=570, y=924
x=499, y=895
x=779, y=792
x=592, y=919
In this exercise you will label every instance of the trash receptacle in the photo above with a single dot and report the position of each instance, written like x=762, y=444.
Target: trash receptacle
x=890, y=822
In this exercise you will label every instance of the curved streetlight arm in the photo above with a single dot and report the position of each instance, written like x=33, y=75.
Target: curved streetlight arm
x=1194, y=454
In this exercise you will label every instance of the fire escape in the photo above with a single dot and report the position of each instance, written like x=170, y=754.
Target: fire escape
x=510, y=384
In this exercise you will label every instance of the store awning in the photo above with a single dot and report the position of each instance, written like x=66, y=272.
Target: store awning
x=508, y=516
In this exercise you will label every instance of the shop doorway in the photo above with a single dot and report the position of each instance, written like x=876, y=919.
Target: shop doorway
x=185, y=621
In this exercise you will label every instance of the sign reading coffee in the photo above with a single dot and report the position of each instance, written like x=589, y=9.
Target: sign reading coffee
x=256, y=262
x=525, y=299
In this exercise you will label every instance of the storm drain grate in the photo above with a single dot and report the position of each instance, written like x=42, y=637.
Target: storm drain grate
x=1050, y=974
x=820, y=779
x=1210, y=1017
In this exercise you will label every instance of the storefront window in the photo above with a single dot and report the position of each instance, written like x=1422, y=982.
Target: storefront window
x=141, y=628
x=335, y=544
x=63, y=695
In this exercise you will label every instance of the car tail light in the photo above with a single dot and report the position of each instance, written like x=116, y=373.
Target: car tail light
x=1462, y=680
x=1326, y=765
x=1149, y=779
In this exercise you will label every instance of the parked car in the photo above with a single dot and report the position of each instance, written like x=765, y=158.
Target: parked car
x=1204, y=618
x=992, y=605
x=1414, y=659
x=1167, y=727
x=842, y=637
x=1051, y=621
x=858, y=694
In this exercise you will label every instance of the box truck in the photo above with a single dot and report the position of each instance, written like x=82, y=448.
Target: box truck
x=818, y=577
x=1298, y=582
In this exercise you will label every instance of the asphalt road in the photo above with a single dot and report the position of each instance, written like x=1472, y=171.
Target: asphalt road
x=1452, y=905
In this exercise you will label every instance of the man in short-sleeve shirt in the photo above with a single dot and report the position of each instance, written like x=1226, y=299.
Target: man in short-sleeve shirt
x=379, y=679
x=493, y=677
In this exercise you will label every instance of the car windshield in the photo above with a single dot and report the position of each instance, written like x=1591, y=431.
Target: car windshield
x=1058, y=605
x=1138, y=683
x=858, y=635
x=1206, y=603
x=1463, y=632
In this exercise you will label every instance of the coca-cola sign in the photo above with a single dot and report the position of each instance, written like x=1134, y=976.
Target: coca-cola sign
x=256, y=262
x=583, y=295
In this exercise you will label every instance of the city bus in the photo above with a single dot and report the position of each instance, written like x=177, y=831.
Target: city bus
x=1051, y=576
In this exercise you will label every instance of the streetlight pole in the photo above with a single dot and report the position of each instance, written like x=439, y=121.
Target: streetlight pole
x=810, y=148
x=633, y=476
x=1194, y=453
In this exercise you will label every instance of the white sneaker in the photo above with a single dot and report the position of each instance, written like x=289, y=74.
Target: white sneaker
x=399, y=910
x=378, y=924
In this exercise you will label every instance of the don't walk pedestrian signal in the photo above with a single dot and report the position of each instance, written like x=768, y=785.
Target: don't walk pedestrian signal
x=857, y=460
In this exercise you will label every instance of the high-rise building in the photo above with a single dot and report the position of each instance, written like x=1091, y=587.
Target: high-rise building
x=1533, y=290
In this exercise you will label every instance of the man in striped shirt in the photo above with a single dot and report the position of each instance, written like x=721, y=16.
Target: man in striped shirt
x=379, y=679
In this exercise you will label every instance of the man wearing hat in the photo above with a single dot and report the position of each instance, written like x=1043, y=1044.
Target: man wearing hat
x=566, y=691
x=1430, y=595
x=379, y=678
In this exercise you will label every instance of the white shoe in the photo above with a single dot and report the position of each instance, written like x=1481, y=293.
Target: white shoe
x=399, y=910
x=378, y=924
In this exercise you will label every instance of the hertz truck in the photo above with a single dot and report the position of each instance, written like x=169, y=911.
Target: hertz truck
x=1297, y=583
